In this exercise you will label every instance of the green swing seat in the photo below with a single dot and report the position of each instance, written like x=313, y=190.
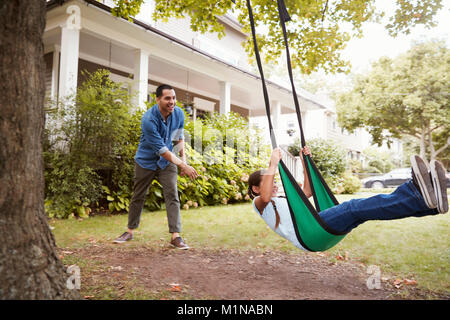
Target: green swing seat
x=311, y=231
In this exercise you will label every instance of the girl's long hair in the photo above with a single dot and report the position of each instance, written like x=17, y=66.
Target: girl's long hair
x=255, y=180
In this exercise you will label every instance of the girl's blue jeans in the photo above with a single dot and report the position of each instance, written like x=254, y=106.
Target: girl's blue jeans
x=406, y=201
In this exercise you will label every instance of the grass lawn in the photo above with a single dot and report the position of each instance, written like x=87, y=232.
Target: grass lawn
x=413, y=248
x=416, y=248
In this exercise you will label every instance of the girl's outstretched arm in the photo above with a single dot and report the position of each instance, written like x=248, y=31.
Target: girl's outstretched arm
x=306, y=186
x=265, y=189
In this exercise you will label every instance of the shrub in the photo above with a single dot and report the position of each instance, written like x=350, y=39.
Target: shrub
x=70, y=187
x=330, y=160
x=346, y=183
x=88, y=143
x=355, y=166
x=351, y=183
x=328, y=156
x=378, y=161
x=224, y=157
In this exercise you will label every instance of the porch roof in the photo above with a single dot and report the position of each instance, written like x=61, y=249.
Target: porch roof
x=171, y=59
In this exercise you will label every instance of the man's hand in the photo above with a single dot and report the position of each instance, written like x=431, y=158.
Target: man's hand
x=188, y=170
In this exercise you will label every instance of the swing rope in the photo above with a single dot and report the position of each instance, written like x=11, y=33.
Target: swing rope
x=323, y=196
x=311, y=231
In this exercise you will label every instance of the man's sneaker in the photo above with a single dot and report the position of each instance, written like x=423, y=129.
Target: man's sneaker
x=421, y=179
x=440, y=185
x=126, y=236
x=179, y=243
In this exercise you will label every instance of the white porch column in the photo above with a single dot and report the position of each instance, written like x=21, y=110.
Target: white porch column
x=70, y=40
x=276, y=114
x=55, y=69
x=140, y=83
x=225, y=97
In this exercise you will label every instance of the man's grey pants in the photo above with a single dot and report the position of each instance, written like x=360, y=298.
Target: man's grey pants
x=142, y=180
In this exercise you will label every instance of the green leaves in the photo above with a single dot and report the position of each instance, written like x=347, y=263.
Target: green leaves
x=410, y=13
x=126, y=8
x=203, y=13
x=330, y=159
x=117, y=200
x=90, y=142
x=222, y=155
x=317, y=34
x=402, y=96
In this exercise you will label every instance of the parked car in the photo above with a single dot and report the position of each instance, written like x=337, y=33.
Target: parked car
x=393, y=178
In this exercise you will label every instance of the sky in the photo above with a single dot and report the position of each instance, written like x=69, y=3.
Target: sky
x=377, y=42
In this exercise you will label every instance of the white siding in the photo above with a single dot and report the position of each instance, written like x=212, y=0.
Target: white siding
x=229, y=48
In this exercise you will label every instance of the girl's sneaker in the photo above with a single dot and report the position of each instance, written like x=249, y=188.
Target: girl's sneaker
x=421, y=179
x=440, y=185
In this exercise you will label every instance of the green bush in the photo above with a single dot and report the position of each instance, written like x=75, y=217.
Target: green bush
x=355, y=166
x=370, y=169
x=90, y=143
x=351, y=183
x=224, y=157
x=378, y=161
x=346, y=183
x=330, y=160
x=70, y=187
x=328, y=157
x=89, y=140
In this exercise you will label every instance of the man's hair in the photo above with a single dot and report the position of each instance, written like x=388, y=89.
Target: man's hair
x=161, y=88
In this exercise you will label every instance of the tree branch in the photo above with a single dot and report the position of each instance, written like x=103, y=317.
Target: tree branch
x=324, y=10
x=443, y=147
x=432, y=129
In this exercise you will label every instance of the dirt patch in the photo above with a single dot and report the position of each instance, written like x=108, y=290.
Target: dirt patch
x=227, y=274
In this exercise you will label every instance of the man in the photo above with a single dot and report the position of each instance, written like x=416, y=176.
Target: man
x=161, y=125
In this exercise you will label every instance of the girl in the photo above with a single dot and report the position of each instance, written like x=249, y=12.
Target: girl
x=421, y=196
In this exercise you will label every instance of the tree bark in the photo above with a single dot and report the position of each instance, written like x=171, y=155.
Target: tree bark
x=422, y=143
x=29, y=265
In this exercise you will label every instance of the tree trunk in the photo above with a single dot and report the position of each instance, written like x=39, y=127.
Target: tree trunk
x=29, y=265
x=431, y=145
x=423, y=145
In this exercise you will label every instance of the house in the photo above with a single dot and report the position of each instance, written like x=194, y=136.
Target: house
x=320, y=123
x=212, y=74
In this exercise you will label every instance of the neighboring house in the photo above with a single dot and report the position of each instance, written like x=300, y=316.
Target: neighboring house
x=212, y=74
x=320, y=123
x=323, y=124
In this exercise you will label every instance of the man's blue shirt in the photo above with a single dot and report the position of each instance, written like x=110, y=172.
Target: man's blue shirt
x=157, y=136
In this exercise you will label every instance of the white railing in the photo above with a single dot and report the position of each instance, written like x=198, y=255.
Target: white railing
x=294, y=164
